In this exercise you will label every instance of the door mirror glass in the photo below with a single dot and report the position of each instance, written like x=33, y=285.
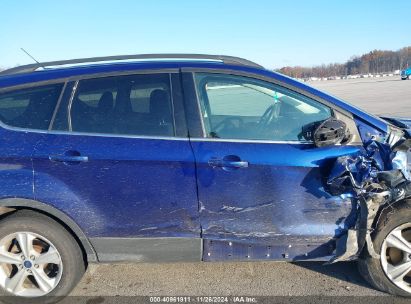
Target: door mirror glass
x=330, y=132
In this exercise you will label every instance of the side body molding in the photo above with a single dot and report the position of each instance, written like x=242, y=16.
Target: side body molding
x=59, y=215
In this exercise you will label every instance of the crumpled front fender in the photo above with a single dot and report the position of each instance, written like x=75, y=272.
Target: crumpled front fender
x=376, y=177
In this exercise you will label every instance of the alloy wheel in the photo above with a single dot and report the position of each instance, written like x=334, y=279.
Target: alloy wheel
x=396, y=256
x=30, y=265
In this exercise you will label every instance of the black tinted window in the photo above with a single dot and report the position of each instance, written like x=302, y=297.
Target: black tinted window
x=134, y=105
x=29, y=108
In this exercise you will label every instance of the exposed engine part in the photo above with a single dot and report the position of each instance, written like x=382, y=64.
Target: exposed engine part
x=373, y=178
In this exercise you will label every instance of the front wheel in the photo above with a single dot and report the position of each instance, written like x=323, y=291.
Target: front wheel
x=392, y=271
x=40, y=261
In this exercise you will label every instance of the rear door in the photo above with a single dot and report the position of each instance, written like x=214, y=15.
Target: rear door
x=260, y=182
x=119, y=162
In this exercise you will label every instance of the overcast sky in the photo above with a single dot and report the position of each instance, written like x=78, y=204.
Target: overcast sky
x=273, y=33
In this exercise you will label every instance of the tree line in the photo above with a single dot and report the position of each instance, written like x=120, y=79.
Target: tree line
x=374, y=62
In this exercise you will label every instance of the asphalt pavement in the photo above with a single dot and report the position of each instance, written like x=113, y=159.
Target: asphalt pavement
x=381, y=96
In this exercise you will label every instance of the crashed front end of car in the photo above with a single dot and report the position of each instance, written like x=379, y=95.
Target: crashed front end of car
x=375, y=178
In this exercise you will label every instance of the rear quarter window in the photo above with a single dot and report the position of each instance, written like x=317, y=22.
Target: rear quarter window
x=30, y=108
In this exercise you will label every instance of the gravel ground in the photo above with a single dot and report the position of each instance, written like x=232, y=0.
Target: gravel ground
x=389, y=96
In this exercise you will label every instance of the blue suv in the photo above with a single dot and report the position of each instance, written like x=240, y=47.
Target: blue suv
x=179, y=157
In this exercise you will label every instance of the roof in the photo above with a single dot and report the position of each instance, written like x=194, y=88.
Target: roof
x=46, y=71
x=222, y=58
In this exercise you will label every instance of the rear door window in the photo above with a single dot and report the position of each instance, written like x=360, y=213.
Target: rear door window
x=124, y=105
x=30, y=108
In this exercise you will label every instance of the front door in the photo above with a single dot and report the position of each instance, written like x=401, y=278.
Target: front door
x=260, y=183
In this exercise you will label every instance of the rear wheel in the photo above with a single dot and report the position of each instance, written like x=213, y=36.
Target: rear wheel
x=392, y=272
x=40, y=261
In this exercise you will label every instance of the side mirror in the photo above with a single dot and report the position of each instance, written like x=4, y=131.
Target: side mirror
x=331, y=132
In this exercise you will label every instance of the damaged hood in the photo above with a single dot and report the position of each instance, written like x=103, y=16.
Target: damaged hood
x=403, y=123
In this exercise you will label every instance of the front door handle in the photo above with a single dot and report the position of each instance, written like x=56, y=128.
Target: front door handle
x=228, y=162
x=235, y=164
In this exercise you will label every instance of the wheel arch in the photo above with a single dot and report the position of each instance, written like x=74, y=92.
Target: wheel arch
x=8, y=205
x=386, y=209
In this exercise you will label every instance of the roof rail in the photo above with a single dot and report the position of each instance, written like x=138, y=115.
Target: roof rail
x=225, y=59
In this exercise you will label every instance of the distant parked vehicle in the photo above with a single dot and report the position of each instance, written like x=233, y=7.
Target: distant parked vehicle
x=405, y=74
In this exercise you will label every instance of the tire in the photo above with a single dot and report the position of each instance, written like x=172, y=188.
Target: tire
x=372, y=269
x=67, y=273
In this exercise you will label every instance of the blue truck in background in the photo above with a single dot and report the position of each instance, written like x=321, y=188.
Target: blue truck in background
x=405, y=74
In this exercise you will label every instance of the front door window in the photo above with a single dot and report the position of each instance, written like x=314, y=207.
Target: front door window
x=236, y=107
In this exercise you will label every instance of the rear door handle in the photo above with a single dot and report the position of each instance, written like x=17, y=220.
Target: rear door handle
x=68, y=158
